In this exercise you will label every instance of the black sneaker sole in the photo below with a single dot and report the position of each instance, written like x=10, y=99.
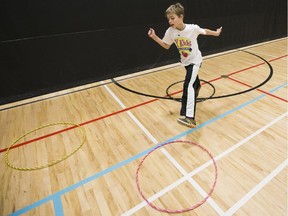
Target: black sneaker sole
x=185, y=124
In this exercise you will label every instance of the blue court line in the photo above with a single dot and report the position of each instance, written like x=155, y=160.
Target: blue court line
x=56, y=197
x=58, y=208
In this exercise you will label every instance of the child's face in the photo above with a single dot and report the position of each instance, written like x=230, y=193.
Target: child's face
x=174, y=20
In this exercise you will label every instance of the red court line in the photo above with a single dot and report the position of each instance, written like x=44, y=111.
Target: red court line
x=278, y=58
x=84, y=123
x=256, y=65
x=129, y=108
x=267, y=93
x=246, y=69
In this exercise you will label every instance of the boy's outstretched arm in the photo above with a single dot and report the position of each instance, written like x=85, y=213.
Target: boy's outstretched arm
x=151, y=34
x=213, y=33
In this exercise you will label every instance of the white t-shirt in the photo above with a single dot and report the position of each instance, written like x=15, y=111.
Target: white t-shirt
x=186, y=43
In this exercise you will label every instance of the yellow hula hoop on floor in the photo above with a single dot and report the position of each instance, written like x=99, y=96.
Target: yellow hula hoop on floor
x=52, y=162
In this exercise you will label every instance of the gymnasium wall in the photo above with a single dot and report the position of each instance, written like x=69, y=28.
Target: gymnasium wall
x=46, y=46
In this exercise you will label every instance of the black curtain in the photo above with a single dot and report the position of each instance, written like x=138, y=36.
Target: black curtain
x=46, y=46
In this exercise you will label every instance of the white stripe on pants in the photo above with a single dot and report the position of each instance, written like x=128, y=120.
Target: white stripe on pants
x=191, y=98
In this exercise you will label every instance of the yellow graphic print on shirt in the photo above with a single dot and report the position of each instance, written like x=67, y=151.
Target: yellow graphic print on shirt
x=183, y=46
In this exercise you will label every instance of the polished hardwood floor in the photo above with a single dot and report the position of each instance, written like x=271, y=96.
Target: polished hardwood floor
x=246, y=134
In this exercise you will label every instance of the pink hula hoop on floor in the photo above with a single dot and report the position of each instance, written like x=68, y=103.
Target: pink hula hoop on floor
x=185, y=209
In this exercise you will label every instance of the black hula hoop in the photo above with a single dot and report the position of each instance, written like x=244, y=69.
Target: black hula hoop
x=168, y=97
x=197, y=99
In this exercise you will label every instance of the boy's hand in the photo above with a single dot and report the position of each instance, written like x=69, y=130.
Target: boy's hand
x=218, y=31
x=151, y=33
x=212, y=32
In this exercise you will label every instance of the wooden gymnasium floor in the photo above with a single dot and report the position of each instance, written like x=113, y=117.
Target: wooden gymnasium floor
x=246, y=134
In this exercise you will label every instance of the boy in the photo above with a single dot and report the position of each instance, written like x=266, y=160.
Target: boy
x=184, y=36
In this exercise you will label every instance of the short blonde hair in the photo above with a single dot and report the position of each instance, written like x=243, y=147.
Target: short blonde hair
x=177, y=9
